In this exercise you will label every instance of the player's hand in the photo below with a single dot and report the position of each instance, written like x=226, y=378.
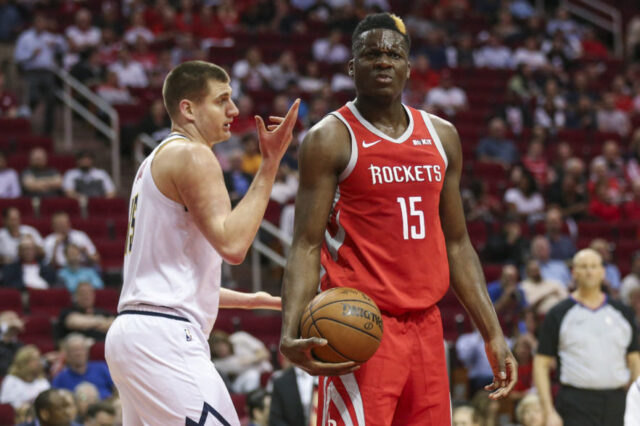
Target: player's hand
x=504, y=366
x=298, y=351
x=275, y=140
x=553, y=419
x=263, y=300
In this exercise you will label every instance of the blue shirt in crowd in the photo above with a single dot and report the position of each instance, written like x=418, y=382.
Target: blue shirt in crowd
x=72, y=277
x=97, y=373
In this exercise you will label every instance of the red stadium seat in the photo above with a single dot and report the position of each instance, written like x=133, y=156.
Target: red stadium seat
x=39, y=332
x=48, y=206
x=239, y=402
x=258, y=325
x=42, y=224
x=48, y=302
x=111, y=252
x=23, y=204
x=107, y=299
x=10, y=300
x=14, y=126
x=108, y=207
x=96, y=353
x=7, y=415
x=26, y=143
x=596, y=229
x=492, y=271
x=93, y=227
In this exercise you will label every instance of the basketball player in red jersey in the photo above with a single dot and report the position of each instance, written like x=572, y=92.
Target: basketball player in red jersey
x=379, y=206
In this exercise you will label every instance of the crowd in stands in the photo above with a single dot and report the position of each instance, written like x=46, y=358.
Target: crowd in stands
x=549, y=122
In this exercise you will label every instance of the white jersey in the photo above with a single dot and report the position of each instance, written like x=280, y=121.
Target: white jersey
x=168, y=262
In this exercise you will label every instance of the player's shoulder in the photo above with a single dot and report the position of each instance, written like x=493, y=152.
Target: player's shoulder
x=183, y=152
x=327, y=131
x=560, y=309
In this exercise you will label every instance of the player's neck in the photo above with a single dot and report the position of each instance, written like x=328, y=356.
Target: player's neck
x=191, y=133
x=378, y=111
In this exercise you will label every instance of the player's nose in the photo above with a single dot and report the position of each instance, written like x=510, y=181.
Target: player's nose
x=233, y=110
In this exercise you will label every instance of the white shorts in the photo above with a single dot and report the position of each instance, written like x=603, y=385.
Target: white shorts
x=632, y=408
x=163, y=371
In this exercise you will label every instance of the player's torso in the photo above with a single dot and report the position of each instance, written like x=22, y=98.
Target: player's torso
x=168, y=262
x=384, y=234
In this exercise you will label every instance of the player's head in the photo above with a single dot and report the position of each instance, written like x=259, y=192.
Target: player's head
x=198, y=94
x=100, y=414
x=380, y=65
x=258, y=405
x=55, y=407
x=588, y=268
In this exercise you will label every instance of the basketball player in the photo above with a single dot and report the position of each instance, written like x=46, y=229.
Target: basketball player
x=379, y=207
x=181, y=227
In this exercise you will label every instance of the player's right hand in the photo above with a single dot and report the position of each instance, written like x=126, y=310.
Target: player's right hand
x=298, y=351
x=553, y=419
x=275, y=140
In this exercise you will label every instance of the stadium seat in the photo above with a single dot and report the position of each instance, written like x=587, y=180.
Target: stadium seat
x=94, y=227
x=38, y=331
x=23, y=204
x=7, y=415
x=10, y=300
x=111, y=253
x=107, y=299
x=240, y=403
x=48, y=206
x=48, y=302
x=42, y=224
x=26, y=143
x=96, y=353
x=596, y=229
x=492, y=271
x=108, y=207
x=14, y=126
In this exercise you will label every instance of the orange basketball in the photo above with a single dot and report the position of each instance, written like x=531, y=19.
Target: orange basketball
x=348, y=319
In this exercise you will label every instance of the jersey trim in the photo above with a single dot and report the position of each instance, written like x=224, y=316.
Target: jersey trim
x=152, y=157
x=436, y=137
x=353, y=157
x=373, y=129
x=153, y=314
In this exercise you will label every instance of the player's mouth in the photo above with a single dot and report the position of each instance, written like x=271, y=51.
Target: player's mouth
x=384, y=79
x=227, y=126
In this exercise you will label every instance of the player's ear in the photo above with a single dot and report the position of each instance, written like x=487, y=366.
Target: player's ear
x=408, y=68
x=186, y=109
x=350, y=67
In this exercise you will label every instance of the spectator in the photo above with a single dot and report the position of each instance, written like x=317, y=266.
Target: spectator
x=423, y=77
x=465, y=415
x=79, y=369
x=251, y=73
x=583, y=116
x=562, y=246
x=284, y=72
x=251, y=158
x=613, y=160
x=311, y=81
x=507, y=297
x=25, y=379
x=83, y=317
x=560, y=54
x=600, y=175
x=514, y=112
x=9, y=183
x=63, y=234
x=36, y=52
x=611, y=272
x=593, y=48
x=523, y=198
x=130, y=72
x=209, y=29
x=236, y=181
x=479, y=204
x=143, y=54
x=549, y=116
x=38, y=180
x=291, y=400
x=285, y=186
x=493, y=54
x=446, y=97
x=550, y=269
x=54, y=407
x=610, y=119
x=28, y=271
x=100, y=414
x=529, y=411
x=633, y=163
x=523, y=350
x=496, y=147
x=330, y=49
x=631, y=208
x=8, y=100
x=89, y=70
x=541, y=293
x=530, y=55
x=462, y=54
x=12, y=233
x=185, y=49
x=471, y=353
x=595, y=341
x=509, y=246
x=84, y=395
x=138, y=29
x=240, y=356
x=82, y=35
x=258, y=407
x=86, y=180
x=535, y=161
x=10, y=327
x=603, y=205
x=580, y=86
x=110, y=47
x=630, y=283
x=521, y=9
x=523, y=83
x=10, y=21
x=562, y=22
x=74, y=273
x=113, y=92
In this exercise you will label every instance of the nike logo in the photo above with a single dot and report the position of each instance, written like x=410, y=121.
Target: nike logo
x=367, y=145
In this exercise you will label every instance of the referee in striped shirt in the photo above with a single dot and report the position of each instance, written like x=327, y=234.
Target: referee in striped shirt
x=596, y=343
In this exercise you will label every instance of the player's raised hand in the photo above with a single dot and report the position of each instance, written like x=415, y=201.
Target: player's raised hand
x=298, y=351
x=504, y=366
x=275, y=139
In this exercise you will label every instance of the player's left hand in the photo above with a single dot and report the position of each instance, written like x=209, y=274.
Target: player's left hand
x=504, y=366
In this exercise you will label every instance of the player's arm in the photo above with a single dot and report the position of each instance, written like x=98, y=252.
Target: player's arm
x=542, y=365
x=323, y=155
x=199, y=183
x=633, y=362
x=467, y=278
x=259, y=300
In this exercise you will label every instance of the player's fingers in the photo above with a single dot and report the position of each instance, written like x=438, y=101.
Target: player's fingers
x=276, y=119
x=272, y=127
x=513, y=374
x=311, y=342
x=292, y=116
x=260, y=124
x=493, y=386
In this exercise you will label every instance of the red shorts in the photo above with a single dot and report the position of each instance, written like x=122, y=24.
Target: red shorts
x=405, y=383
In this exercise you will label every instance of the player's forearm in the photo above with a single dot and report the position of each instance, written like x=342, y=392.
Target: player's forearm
x=542, y=382
x=259, y=300
x=242, y=223
x=299, y=286
x=467, y=281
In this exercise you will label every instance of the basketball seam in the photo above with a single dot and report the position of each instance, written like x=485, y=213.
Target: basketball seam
x=329, y=343
x=348, y=325
x=346, y=300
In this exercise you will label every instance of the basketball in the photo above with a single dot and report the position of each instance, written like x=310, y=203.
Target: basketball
x=348, y=319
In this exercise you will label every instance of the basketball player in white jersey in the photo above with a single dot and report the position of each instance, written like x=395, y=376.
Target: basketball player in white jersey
x=181, y=228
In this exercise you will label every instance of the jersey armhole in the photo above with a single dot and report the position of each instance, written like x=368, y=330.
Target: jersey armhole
x=353, y=157
x=436, y=137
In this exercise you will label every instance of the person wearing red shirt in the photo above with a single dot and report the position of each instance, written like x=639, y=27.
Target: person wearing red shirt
x=602, y=205
x=631, y=208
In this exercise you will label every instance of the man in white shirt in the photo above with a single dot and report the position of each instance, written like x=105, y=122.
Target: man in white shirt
x=83, y=35
x=611, y=119
x=86, y=180
x=331, y=49
x=11, y=234
x=62, y=236
x=130, y=72
x=494, y=54
x=446, y=97
x=9, y=182
x=530, y=54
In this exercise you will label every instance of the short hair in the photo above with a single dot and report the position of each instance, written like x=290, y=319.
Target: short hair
x=529, y=399
x=189, y=80
x=43, y=401
x=98, y=407
x=255, y=399
x=386, y=21
x=84, y=154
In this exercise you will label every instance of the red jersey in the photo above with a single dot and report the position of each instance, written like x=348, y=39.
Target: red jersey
x=384, y=235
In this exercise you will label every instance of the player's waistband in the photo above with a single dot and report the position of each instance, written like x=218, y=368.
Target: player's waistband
x=410, y=315
x=152, y=311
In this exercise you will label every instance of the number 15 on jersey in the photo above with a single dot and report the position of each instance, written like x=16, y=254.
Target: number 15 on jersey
x=417, y=232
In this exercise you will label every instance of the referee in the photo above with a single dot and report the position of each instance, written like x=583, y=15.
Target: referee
x=596, y=343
